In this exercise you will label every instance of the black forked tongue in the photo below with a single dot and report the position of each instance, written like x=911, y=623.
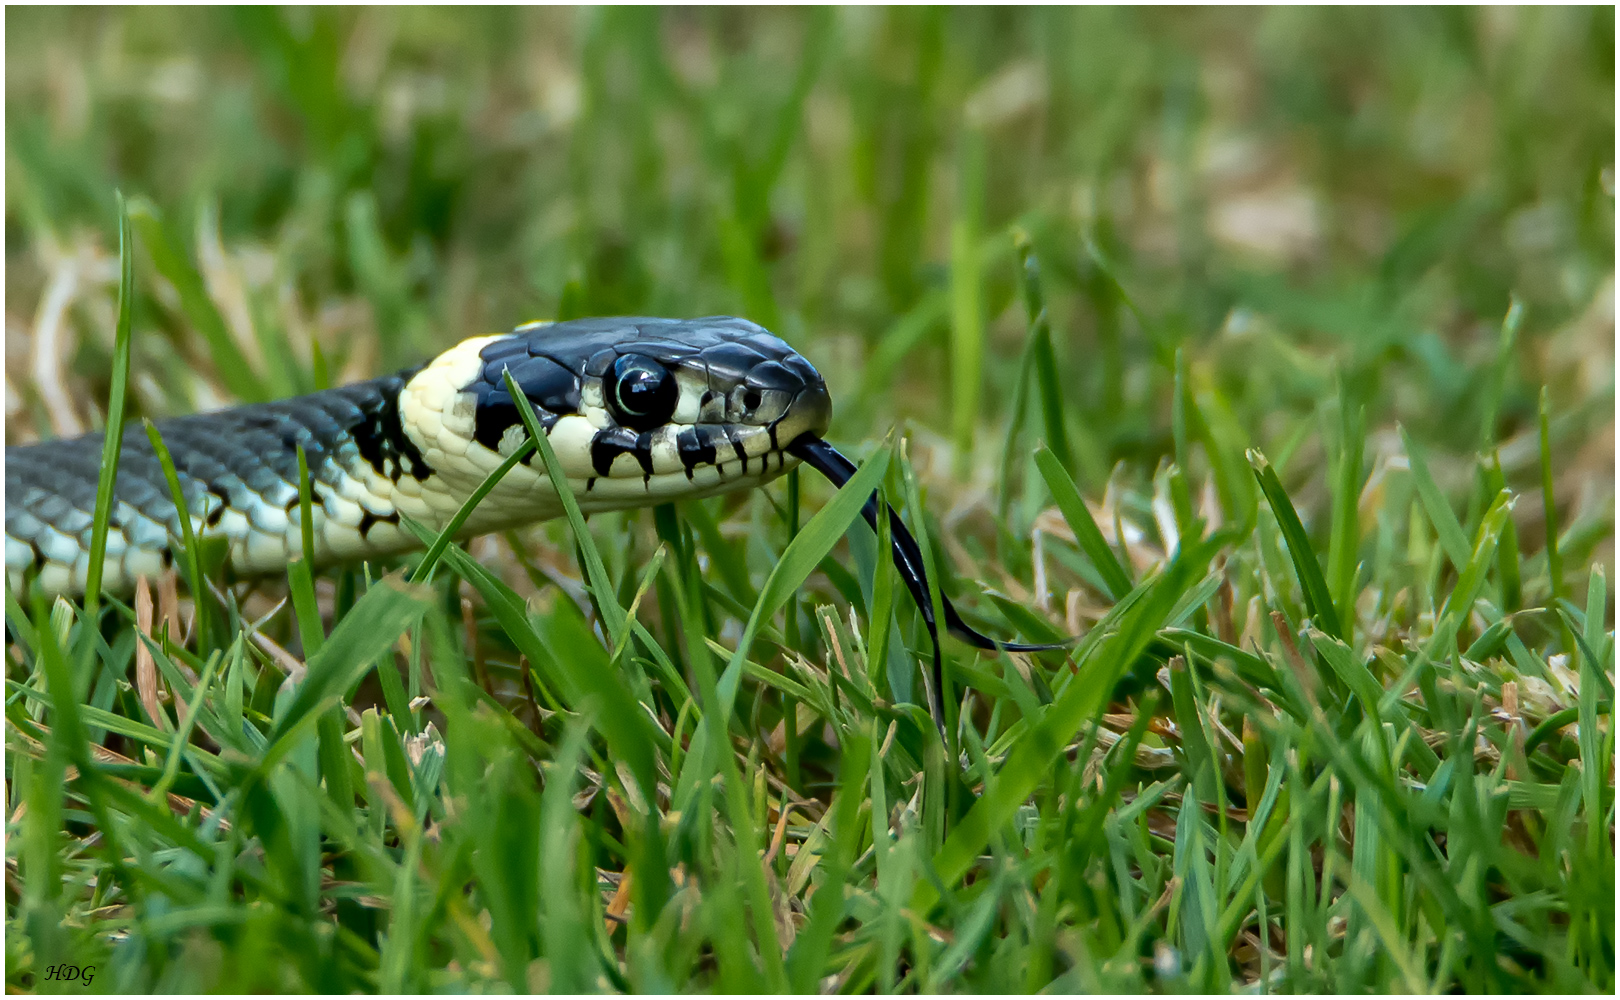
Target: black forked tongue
x=908, y=559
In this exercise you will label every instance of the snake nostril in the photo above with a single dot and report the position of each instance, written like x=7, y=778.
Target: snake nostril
x=751, y=399
x=814, y=408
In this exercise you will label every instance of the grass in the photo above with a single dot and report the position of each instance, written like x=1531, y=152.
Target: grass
x=1269, y=351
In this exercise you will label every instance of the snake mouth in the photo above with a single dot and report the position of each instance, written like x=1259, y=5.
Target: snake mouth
x=807, y=416
x=908, y=560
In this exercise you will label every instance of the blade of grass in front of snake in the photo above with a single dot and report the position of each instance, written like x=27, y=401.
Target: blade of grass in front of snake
x=624, y=725
x=596, y=574
x=301, y=571
x=306, y=510
x=113, y=439
x=188, y=533
x=380, y=617
x=430, y=560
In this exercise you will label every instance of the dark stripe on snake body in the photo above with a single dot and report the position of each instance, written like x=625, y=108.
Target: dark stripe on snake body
x=218, y=512
x=368, y=520
x=381, y=436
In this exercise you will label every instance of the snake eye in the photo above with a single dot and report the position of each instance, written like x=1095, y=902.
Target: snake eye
x=642, y=394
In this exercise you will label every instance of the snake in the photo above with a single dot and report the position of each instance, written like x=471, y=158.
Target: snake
x=639, y=411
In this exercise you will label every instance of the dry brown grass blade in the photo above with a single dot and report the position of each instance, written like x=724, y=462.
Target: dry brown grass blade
x=178, y=804
x=778, y=836
x=1302, y=670
x=54, y=342
x=146, y=678
x=168, y=606
x=619, y=905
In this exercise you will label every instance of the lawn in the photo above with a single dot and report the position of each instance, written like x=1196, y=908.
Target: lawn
x=1270, y=352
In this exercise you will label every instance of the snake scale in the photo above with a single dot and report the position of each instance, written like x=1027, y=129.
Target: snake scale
x=638, y=410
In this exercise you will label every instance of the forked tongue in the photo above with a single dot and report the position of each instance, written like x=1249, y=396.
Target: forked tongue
x=908, y=559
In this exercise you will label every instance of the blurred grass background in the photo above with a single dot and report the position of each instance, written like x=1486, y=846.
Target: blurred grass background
x=1276, y=193
x=1273, y=219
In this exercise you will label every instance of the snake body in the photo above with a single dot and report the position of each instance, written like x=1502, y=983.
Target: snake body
x=638, y=410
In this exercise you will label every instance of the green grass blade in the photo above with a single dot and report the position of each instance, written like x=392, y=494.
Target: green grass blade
x=113, y=436
x=1317, y=596
x=1200, y=765
x=1355, y=675
x=67, y=723
x=1086, y=532
x=967, y=297
x=1045, y=361
x=1452, y=538
x=1597, y=761
x=188, y=534
x=306, y=512
x=1507, y=553
x=1345, y=536
x=430, y=559
x=1549, y=500
x=301, y=570
x=596, y=574
x=182, y=733
x=1471, y=575
x=228, y=359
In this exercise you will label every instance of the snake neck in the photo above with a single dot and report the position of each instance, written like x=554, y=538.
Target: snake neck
x=238, y=475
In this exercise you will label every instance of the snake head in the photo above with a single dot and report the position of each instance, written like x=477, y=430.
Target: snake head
x=637, y=409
